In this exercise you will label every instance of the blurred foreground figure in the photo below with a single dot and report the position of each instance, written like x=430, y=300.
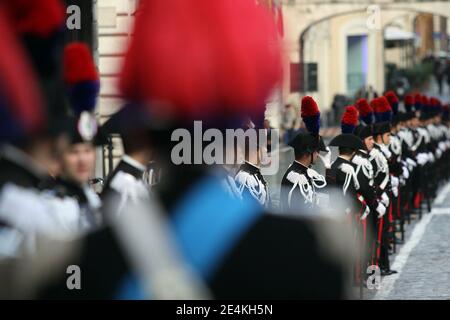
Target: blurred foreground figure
x=78, y=161
x=34, y=141
x=32, y=125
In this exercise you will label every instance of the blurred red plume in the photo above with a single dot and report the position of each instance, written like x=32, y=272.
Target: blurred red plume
x=418, y=98
x=205, y=59
x=78, y=64
x=18, y=81
x=39, y=17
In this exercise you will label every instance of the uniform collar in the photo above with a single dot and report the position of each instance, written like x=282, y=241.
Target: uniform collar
x=136, y=164
x=247, y=166
x=378, y=145
x=343, y=159
x=67, y=187
x=301, y=164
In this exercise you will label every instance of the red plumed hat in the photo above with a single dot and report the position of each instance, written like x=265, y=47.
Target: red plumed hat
x=78, y=64
x=350, y=116
x=310, y=114
x=409, y=99
x=309, y=107
x=383, y=111
x=205, y=60
x=391, y=97
x=349, y=119
x=374, y=104
x=81, y=77
x=38, y=17
x=363, y=107
x=381, y=105
x=418, y=97
x=435, y=102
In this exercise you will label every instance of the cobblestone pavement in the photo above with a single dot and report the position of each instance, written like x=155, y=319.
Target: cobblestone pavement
x=423, y=261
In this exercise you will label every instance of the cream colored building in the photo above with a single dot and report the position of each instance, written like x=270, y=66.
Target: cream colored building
x=344, y=38
x=347, y=41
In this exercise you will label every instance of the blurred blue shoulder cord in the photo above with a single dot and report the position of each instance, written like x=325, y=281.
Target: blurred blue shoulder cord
x=206, y=224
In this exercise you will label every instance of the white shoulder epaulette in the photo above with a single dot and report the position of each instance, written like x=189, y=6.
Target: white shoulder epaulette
x=364, y=165
x=350, y=172
x=249, y=181
x=301, y=181
x=318, y=180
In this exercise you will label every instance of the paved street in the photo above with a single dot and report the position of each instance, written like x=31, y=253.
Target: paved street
x=423, y=261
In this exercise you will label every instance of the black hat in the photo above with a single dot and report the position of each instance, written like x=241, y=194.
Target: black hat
x=129, y=118
x=322, y=146
x=84, y=128
x=381, y=128
x=305, y=143
x=410, y=115
x=363, y=131
x=397, y=118
x=424, y=116
x=403, y=116
x=347, y=140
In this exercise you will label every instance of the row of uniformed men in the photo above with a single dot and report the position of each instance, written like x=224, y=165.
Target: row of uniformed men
x=389, y=163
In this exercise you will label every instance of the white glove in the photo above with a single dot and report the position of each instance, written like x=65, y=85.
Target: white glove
x=411, y=162
x=366, y=213
x=422, y=158
x=326, y=159
x=394, y=181
x=402, y=182
x=395, y=191
x=430, y=157
x=443, y=146
x=381, y=210
x=438, y=153
x=405, y=173
x=385, y=199
x=448, y=144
